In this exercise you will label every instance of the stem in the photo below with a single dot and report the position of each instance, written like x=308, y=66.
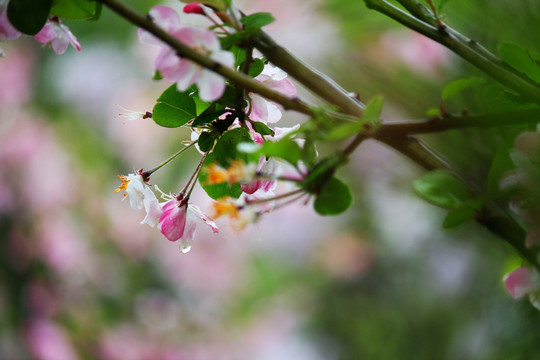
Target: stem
x=450, y=122
x=464, y=47
x=203, y=60
x=150, y=172
x=278, y=197
x=317, y=82
x=194, y=176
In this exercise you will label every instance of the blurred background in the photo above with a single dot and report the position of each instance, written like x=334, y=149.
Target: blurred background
x=81, y=279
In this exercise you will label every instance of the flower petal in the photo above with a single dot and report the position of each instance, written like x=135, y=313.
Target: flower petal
x=208, y=221
x=211, y=86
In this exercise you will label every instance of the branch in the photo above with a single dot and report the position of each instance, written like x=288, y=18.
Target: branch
x=450, y=122
x=203, y=60
x=468, y=49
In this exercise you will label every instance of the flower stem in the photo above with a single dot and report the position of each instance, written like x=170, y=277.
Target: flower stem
x=172, y=157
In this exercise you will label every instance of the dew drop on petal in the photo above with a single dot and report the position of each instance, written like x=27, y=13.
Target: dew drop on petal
x=185, y=246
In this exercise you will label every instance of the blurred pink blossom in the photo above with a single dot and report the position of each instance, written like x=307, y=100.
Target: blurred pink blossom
x=58, y=35
x=521, y=282
x=47, y=341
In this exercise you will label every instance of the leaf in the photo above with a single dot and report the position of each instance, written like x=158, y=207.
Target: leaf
x=262, y=128
x=228, y=99
x=174, y=108
x=335, y=197
x=28, y=16
x=321, y=172
x=442, y=188
x=256, y=67
x=257, y=20
x=206, y=141
x=520, y=59
x=221, y=5
x=226, y=149
x=76, y=9
x=501, y=164
x=309, y=152
x=455, y=87
x=457, y=217
x=217, y=191
x=285, y=149
x=368, y=123
x=207, y=117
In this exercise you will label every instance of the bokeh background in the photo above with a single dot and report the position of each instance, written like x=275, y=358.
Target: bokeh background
x=81, y=279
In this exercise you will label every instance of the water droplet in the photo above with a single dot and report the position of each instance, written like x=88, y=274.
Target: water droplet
x=185, y=246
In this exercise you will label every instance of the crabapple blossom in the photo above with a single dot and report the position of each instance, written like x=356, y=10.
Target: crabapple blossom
x=141, y=195
x=276, y=79
x=521, y=282
x=7, y=31
x=58, y=35
x=179, y=221
x=184, y=71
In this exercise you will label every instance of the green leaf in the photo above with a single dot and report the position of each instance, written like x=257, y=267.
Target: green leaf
x=321, y=172
x=285, y=149
x=206, y=141
x=335, y=197
x=458, y=216
x=226, y=149
x=256, y=67
x=501, y=164
x=309, y=152
x=217, y=191
x=207, y=117
x=28, y=16
x=228, y=99
x=520, y=59
x=174, y=108
x=455, y=87
x=76, y=9
x=368, y=123
x=442, y=188
x=257, y=20
x=262, y=128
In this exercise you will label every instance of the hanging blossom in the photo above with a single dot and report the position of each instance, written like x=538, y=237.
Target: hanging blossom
x=141, y=195
x=524, y=281
x=178, y=221
x=7, y=31
x=276, y=79
x=58, y=35
x=181, y=70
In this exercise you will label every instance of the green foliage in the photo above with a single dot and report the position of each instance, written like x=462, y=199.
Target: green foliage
x=262, y=128
x=257, y=20
x=28, y=16
x=335, y=197
x=76, y=9
x=256, y=67
x=525, y=61
x=321, y=172
x=217, y=191
x=206, y=141
x=285, y=149
x=457, y=86
x=443, y=189
x=368, y=123
x=174, y=108
x=501, y=164
x=458, y=216
x=207, y=116
x=226, y=149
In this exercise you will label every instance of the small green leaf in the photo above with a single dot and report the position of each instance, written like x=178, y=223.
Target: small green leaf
x=321, y=172
x=285, y=149
x=433, y=112
x=257, y=20
x=28, y=16
x=207, y=117
x=458, y=216
x=335, y=197
x=217, y=191
x=368, y=123
x=443, y=189
x=256, y=67
x=174, y=108
x=206, y=141
x=455, y=87
x=520, y=59
x=262, y=128
x=309, y=152
x=76, y=9
x=226, y=149
x=228, y=99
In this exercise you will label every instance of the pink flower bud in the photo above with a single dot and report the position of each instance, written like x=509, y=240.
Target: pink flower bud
x=173, y=220
x=194, y=8
x=521, y=282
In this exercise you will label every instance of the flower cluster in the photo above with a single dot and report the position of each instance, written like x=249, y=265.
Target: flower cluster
x=53, y=32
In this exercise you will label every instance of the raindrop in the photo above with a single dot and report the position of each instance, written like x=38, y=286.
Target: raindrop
x=185, y=246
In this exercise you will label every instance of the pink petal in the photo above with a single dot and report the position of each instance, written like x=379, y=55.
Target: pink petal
x=207, y=220
x=259, y=110
x=186, y=74
x=7, y=31
x=223, y=57
x=173, y=220
x=211, y=86
x=520, y=282
x=165, y=17
x=46, y=34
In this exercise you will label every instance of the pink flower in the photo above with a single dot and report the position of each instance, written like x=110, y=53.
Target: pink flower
x=58, y=35
x=276, y=79
x=7, y=31
x=183, y=71
x=521, y=282
x=179, y=221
